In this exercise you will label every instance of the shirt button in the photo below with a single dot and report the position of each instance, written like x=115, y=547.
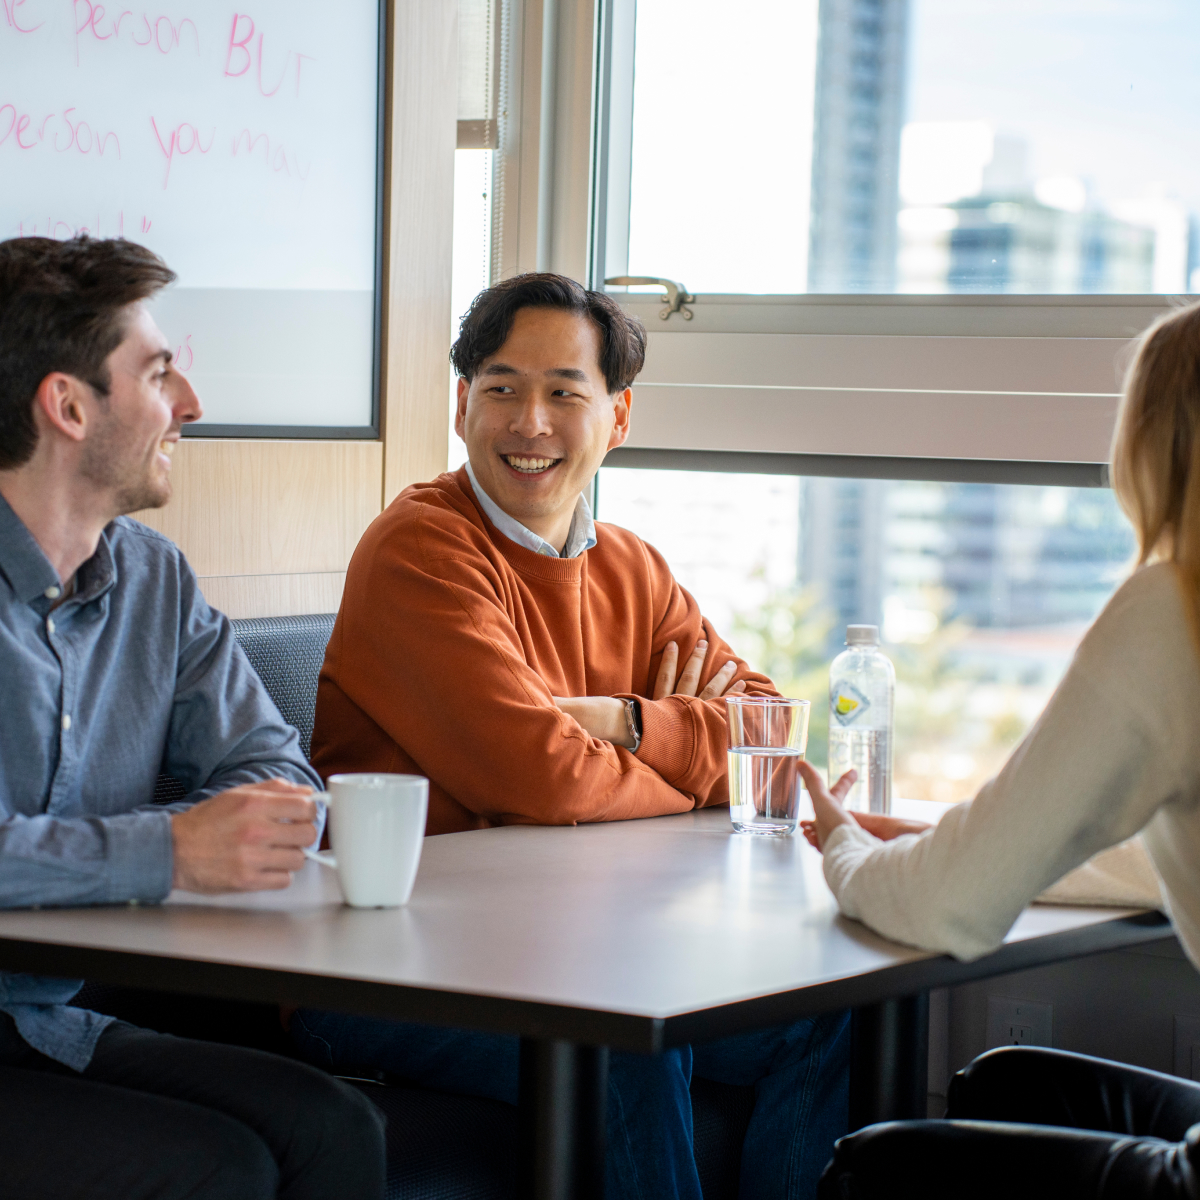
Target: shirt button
x=49, y=624
x=66, y=722
x=52, y=592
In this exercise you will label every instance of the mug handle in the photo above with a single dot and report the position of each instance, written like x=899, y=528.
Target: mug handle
x=325, y=857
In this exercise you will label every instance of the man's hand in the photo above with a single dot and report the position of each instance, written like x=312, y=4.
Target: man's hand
x=248, y=839
x=665, y=685
x=603, y=717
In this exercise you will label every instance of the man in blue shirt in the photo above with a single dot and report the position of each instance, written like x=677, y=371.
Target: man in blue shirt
x=112, y=670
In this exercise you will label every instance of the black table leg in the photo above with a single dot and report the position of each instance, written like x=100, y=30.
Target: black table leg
x=889, y=1061
x=563, y=1099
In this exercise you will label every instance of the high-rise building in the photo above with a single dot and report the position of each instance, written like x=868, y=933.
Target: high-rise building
x=1016, y=244
x=858, y=116
x=908, y=556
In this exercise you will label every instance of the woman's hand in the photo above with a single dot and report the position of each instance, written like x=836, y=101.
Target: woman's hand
x=827, y=803
x=827, y=806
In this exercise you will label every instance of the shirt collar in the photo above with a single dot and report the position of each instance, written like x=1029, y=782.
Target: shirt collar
x=29, y=571
x=580, y=537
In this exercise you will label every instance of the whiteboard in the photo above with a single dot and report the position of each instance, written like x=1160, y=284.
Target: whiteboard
x=243, y=145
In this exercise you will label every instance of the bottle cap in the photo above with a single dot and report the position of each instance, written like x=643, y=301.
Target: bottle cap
x=862, y=635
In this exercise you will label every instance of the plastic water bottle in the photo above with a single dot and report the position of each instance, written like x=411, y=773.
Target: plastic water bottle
x=862, y=691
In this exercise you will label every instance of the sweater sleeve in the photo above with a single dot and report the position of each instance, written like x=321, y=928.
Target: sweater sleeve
x=443, y=673
x=1102, y=759
x=684, y=738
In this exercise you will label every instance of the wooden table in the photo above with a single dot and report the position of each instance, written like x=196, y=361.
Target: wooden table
x=635, y=935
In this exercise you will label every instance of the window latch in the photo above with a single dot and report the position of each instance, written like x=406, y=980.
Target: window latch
x=677, y=294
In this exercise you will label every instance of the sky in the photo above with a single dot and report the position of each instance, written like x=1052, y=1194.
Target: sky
x=1103, y=90
x=1107, y=90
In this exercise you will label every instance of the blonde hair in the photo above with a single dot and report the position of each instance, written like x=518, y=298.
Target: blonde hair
x=1156, y=450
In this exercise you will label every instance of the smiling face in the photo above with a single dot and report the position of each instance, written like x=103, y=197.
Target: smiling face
x=538, y=420
x=128, y=448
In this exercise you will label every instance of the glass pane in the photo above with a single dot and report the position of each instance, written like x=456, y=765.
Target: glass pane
x=981, y=591
x=1021, y=146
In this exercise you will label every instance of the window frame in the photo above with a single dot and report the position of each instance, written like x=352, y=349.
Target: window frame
x=562, y=204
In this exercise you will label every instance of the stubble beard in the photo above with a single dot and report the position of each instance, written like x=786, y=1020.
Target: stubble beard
x=106, y=463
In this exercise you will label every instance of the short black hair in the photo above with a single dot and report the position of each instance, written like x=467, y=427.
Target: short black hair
x=488, y=322
x=62, y=309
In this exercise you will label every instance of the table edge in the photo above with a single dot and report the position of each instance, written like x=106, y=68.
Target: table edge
x=538, y=1019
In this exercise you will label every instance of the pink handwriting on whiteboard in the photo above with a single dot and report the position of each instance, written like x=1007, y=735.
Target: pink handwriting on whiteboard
x=183, y=355
x=183, y=139
x=11, y=17
x=60, y=131
x=275, y=155
x=163, y=34
x=57, y=227
x=239, y=58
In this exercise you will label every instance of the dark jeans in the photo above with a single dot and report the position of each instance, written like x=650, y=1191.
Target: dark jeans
x=1038, y=1124
x=799, y=1072
x=155, y=1117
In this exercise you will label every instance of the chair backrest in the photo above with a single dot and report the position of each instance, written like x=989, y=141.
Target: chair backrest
x=287, y=653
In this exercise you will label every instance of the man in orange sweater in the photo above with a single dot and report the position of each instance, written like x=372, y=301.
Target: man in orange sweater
x=524, y=658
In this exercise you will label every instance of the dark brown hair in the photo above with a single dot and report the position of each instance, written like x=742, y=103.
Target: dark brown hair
x=489, y=320
x=62, y=309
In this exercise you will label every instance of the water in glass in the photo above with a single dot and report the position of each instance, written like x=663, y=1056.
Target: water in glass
x=765, y=789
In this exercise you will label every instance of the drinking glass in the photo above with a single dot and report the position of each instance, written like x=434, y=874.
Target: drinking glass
x=767, y=739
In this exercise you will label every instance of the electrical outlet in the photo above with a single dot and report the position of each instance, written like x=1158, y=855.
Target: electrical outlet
x=1019, y=1023
x=1187, y=1046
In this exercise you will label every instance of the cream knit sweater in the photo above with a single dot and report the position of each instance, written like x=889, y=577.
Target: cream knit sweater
x=1116, y=751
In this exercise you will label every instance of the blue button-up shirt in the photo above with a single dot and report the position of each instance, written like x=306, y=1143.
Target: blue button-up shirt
x=132, y=676
x=580, y=537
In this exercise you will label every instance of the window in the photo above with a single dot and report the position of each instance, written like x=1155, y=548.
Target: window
x=981, y=591
x=915, y=146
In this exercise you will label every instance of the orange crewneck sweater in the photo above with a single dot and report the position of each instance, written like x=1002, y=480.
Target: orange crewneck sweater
x=452, y=641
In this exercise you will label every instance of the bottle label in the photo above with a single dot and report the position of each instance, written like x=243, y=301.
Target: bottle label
x=847, y=703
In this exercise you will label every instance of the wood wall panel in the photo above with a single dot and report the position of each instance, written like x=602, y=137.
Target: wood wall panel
x=274, y=595
x=269, y=515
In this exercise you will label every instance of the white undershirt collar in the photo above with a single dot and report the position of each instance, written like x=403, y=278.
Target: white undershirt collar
x=581, y=536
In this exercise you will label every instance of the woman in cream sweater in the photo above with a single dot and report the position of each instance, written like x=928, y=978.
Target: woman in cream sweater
x=1117, y=751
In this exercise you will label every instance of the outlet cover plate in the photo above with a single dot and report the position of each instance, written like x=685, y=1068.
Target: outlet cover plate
x=1019, y=1023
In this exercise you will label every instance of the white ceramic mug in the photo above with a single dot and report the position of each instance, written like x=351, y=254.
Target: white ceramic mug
x=377, y=829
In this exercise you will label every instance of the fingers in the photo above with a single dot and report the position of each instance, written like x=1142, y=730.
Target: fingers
x=664, y=683
x=288, y=834
x=718, y=683
x=813, y=780
x=689, y=681
x=809, y=829
x=737, y=688
x=273, y=806
x=843, y=785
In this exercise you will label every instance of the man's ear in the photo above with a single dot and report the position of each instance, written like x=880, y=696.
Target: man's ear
x=60, y=402
x=622, y=404
x=460, y=413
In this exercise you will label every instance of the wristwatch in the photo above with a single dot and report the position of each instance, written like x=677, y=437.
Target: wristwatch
x=633, y=722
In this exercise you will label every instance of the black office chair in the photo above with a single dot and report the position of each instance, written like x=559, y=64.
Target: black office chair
x=440, y=1146
x=1036, y=1123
